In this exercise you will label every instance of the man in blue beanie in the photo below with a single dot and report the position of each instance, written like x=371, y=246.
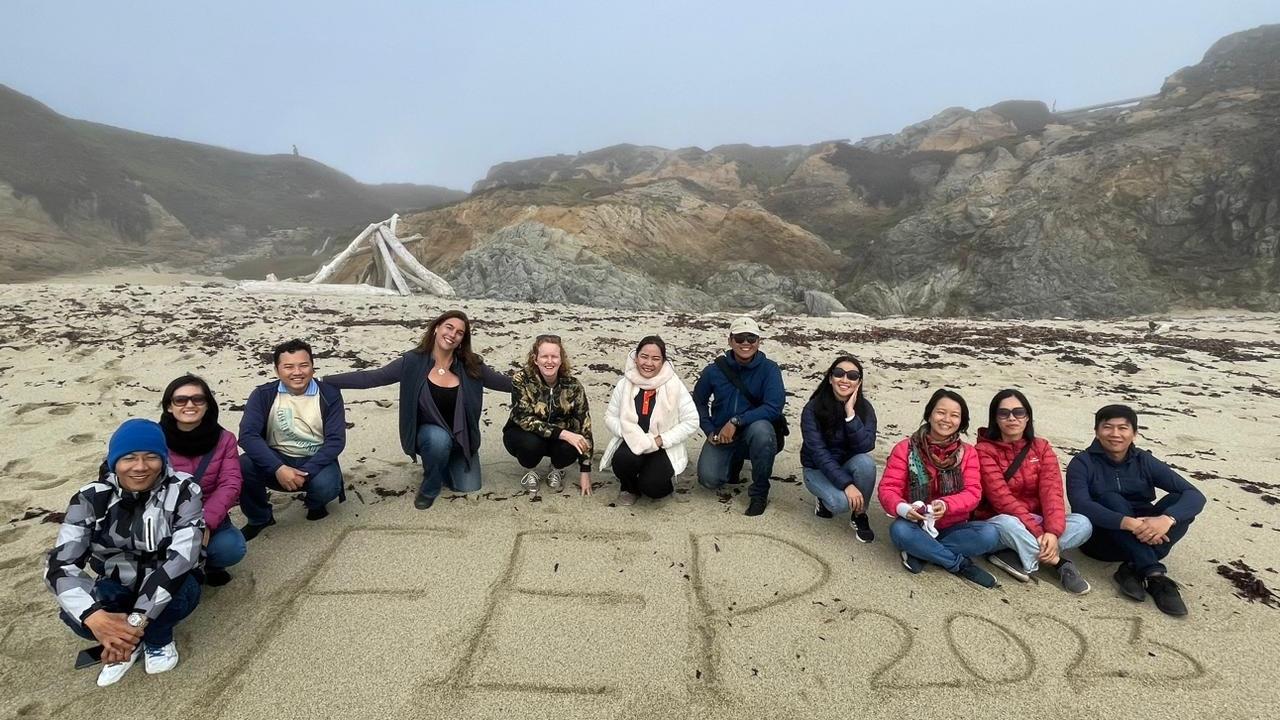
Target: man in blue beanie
x=139, y=529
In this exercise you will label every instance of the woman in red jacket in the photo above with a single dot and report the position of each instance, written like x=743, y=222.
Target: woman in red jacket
x=201, y=447
x=1022, y=495
x=931, y=484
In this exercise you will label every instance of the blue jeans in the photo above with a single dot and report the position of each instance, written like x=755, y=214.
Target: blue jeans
x=831, y=493
x=1123, y=546
x=1015, y=536
x=226, y=546
x=320, y=488
x=756, y=442
x=117, y=598
x=444, y=464
x=953, y=546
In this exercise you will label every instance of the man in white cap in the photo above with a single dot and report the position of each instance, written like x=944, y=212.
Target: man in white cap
x=740, y=398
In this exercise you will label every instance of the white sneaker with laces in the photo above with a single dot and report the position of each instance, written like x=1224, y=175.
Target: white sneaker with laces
x=112, y=672
x=530, y=482
x=161, y=659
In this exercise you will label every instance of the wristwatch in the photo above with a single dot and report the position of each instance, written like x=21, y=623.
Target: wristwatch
x=735, y=421
x=136, y=619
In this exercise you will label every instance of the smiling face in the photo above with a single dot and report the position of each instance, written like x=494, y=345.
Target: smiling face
x=138, y=471
x=1012, y=427
x=844, y=387
x=1116, y=436
x=188, y=406
x=295, y=370
x=449, y=334
x=649, y=360
x=547, y=359
x=944, y=421
x=744, y=346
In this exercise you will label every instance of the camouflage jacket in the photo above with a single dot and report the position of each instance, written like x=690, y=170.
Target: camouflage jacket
x=545, y=410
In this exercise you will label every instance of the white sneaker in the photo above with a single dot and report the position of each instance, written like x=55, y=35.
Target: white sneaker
x=112, y=672
x=161, y=659
x=530, y=482
x=555, y=480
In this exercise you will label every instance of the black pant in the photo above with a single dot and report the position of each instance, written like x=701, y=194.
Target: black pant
x=1124, y=546
x=528, y=449
x=649, y=474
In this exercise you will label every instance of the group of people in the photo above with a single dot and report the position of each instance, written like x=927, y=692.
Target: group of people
x=154, y=528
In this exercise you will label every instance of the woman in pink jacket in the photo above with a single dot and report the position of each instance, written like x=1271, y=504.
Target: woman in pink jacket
x=931, y=484
x=201, y=447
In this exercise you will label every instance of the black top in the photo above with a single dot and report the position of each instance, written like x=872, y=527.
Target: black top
x=645, y=412
x=446, y=399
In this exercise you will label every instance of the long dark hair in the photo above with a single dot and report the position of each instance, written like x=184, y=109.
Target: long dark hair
x=471, y=362
x=993, y=426
x=950, y=395
x=827, y=408
x=204, y=437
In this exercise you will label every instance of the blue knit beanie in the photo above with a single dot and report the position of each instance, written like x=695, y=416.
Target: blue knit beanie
x=136, y=435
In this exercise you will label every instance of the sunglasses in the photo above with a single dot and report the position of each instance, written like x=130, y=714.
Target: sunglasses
x=745, y=338
x=547, y=338
x=852, y=375
x=182, y=400
x=1006, y=413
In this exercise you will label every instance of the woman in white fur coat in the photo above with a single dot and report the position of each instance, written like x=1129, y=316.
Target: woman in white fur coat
x=651, y=414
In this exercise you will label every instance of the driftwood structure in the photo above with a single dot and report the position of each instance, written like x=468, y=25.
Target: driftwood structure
x=386, y=263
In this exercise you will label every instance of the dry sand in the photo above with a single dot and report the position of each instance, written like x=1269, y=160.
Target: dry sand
x=491, y=605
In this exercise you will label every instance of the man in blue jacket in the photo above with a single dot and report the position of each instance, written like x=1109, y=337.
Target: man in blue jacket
x=739, y=397
x=1114, y=484
x=292, y=432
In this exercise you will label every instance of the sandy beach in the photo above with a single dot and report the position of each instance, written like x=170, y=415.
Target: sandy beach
x=570, y=607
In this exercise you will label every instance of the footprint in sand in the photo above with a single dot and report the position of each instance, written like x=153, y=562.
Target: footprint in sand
x=80, y=438
x=11, y=534
x=42, y=481
x=55, y=408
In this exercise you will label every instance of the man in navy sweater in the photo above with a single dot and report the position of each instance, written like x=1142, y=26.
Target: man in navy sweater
x=738, y=425
x=292, y=431
x=1113, y=483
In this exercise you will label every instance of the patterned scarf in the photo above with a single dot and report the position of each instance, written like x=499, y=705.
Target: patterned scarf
x=942, y=456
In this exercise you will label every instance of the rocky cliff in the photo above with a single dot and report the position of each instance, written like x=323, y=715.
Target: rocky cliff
x=1010, y=210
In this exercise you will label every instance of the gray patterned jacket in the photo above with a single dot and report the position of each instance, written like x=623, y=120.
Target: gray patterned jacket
x=147, y=544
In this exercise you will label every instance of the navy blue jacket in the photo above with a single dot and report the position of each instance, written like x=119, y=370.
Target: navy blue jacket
x=1093, y=473
x=719, y=401
x=253, y=428
x=830, y=453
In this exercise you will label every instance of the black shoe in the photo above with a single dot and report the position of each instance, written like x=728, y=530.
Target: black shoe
x=976, y=575
x=757, y=506
x=735, y=480
x=1008, y=561
x=862, y=526
x=822, y=511
x=1165, y=592
x=1130, y=584
x=318, y=513
x=216, y=577
x=422, y=502
x=251, y=530
x=912, y=563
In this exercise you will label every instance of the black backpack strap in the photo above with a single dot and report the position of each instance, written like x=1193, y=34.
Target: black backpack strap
x=204, y=465
x=1017, y=462
x=737, y=381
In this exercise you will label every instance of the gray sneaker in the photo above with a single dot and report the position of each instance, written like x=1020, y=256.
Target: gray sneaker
x=1008, y=561
x=626, y=498
x=555, y=480
x=1071, y=579
x=530, y=482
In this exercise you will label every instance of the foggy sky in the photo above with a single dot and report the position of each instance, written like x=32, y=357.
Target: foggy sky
x=437, y=92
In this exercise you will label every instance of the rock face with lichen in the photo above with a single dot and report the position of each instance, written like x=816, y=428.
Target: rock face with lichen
x=1010, y=211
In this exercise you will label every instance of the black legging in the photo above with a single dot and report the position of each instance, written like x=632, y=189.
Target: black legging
x=649, y=474
x=528, y=449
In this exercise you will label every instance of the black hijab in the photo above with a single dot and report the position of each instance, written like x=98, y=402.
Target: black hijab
x=203, y=438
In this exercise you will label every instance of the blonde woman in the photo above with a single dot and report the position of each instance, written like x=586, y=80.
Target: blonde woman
x=550, y=418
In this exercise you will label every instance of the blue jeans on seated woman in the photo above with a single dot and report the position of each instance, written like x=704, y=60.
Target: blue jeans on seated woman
x=117, y=598
x=831, y=493
x=1015, y=536
x=952, y=546
x=443, y=464
x=226, y=546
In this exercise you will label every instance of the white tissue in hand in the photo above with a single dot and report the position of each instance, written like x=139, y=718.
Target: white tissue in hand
x=929, y=523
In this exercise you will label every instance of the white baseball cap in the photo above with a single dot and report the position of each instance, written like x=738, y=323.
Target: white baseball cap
x=745, y=324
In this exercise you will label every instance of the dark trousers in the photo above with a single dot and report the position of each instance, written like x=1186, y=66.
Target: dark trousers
x=529, y=449
x=757, y=442
x=649, y=474
x=1123, y=546
x=318, y=489
x=117, y=598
